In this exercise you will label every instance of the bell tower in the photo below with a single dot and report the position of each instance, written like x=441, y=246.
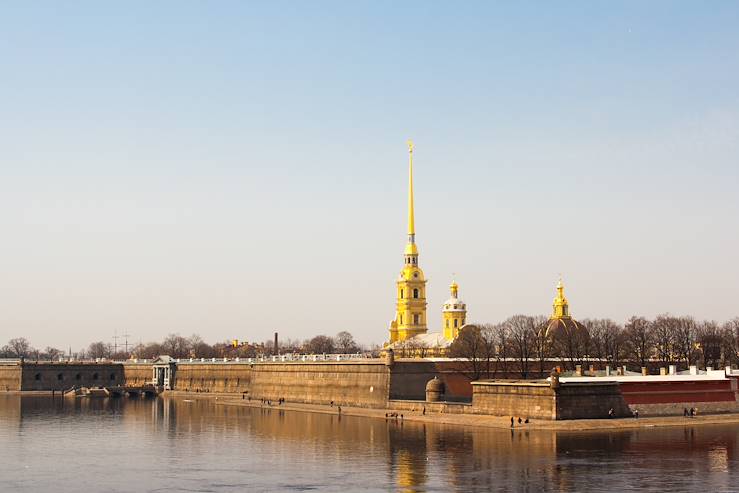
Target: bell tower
x=454, y=313
x=410, y=313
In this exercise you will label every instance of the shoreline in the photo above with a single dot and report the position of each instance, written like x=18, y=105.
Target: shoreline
x=463, y=420
x=488, y=421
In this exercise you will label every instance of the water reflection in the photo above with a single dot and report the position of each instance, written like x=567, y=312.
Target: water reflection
x=190, y=444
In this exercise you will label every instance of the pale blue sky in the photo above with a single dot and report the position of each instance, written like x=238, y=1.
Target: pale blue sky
x=236, y=168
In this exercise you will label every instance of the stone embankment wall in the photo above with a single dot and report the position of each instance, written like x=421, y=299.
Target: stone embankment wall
x=136, y=374
x=408, y=379
x=539, y=400
x=213, y=377
x=63, y=376
x=364, y=384
x=657, y=398
x=10, y=377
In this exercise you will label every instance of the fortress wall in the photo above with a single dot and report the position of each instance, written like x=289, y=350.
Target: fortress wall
x=363, y=384
x=10, y=377
x=590, y=400
x=212, y=377
x=409, y=378
x=525, y=399
x=136, y=374
x=63, y=376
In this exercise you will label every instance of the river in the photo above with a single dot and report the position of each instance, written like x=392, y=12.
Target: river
x=176, y=444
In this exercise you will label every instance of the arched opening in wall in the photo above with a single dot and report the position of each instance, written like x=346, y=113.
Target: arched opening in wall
x=415, y=293
x=112, y=377
x=94, y=376
x=78, y=377
x=60, y=376
x=37, y=377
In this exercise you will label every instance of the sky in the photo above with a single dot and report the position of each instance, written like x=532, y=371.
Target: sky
x=233, y=169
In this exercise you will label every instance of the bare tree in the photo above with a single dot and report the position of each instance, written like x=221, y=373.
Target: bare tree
x=176, y=346
x=710, y=341
x=730, y=338
x=19, y=348
x=345, y=342
x=501, y=341
x=98, y=350
x=542, y=349
x=52, y=354
x=320, y=345
x=199, y=348
x=664, y=332
x=685, y=340
x=639, y=340
x=469, y=346
x=522, y=330
x=607, y=340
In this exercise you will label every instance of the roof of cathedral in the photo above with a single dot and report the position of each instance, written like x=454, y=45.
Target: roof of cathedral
x=427, y=340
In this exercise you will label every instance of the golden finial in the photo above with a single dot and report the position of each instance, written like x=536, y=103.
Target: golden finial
x=410, y=146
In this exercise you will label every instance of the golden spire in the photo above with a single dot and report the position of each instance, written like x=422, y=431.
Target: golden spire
x=560, y=305
x=411, y=222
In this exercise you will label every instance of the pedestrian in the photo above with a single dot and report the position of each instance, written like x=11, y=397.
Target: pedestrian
x=339, y=409
x=685, y=412
x=520, y=420
x=610, y=413
x=511, y=421
x=692, y=412
x=636, y=413
x=424, y=410
x=526, y=420
x=401, y=417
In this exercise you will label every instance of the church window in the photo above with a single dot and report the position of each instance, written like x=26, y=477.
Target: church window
x=401, y=294
x=415, y=293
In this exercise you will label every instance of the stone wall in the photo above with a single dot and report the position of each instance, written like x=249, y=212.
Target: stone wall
x=10, y=377
x=136, y=374
x=536, y=399
x=514, y=398
x=363, y=384
x=590, y=400
x=62, y=376
x=213, y=377
x=408, y=379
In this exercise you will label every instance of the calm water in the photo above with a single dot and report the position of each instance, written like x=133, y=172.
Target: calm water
x=174, y=445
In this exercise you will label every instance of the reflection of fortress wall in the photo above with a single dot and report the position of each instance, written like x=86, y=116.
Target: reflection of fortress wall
x=10, y=377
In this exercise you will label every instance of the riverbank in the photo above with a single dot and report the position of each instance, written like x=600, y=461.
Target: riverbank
x=483, y=421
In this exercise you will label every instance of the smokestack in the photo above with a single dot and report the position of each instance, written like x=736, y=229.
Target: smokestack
x=277, y=351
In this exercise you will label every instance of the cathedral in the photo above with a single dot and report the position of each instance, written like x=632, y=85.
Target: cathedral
x=409, y=329
x=409, y=335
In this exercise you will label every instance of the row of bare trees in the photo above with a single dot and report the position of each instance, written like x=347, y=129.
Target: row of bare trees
x=520, y=344
x=178, y=346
